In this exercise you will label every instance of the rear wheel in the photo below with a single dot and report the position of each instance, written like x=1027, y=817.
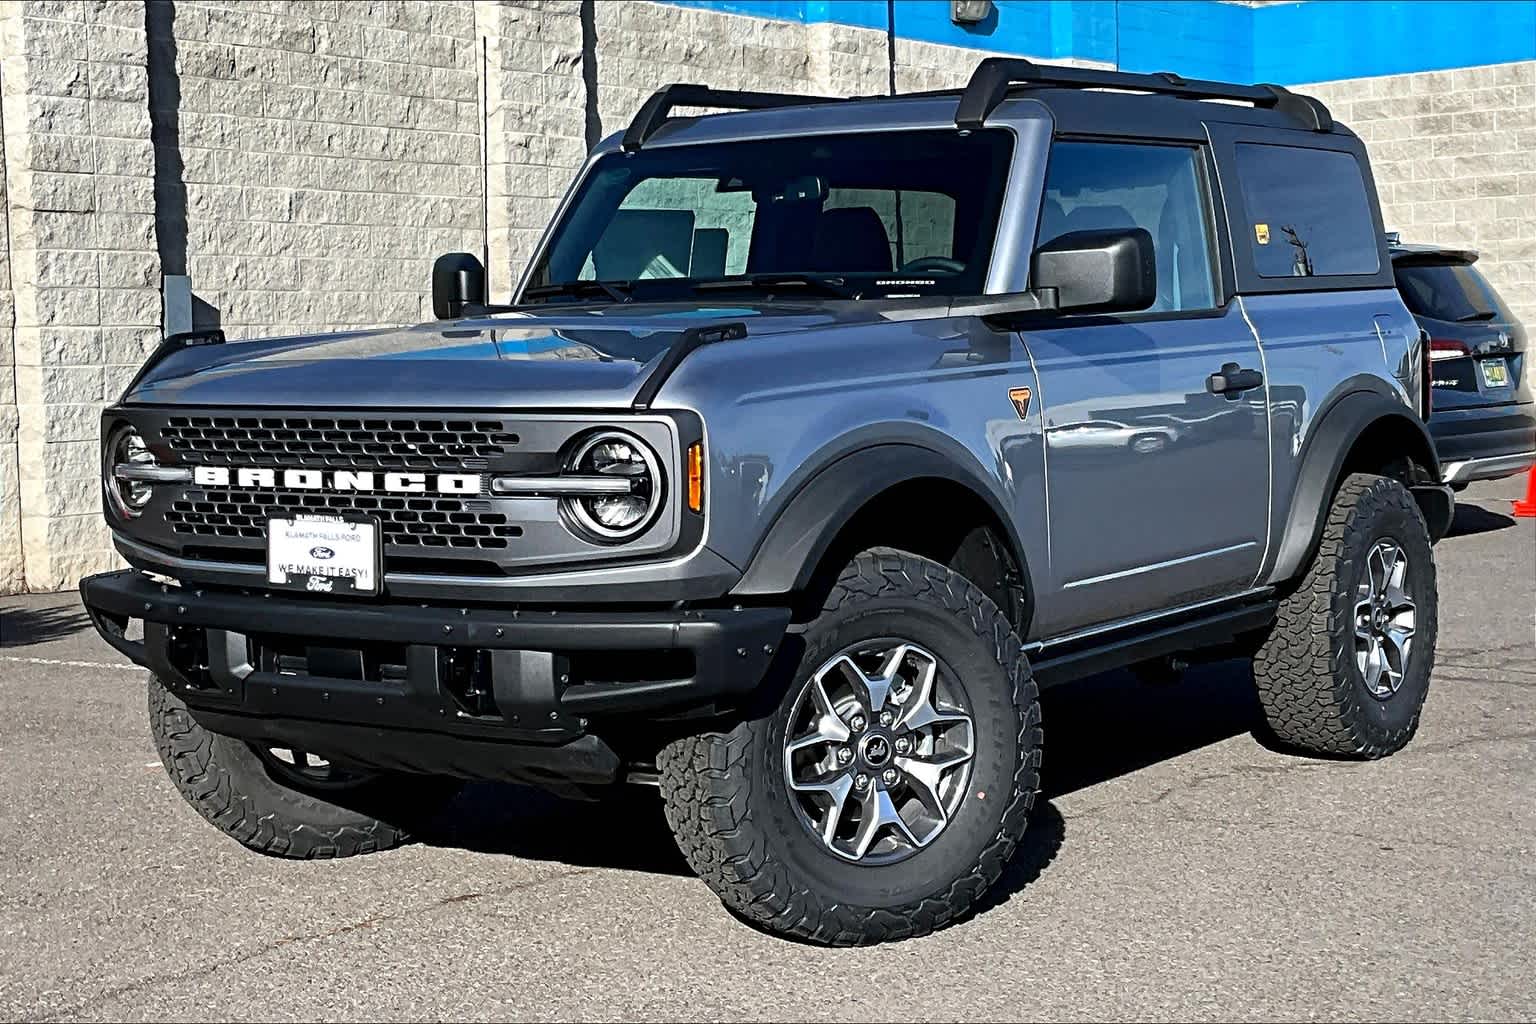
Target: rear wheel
x=884, y=791
x=284, y=801
x=1345, y=669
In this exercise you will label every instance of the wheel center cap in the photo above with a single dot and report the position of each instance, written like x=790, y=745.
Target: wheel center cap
x=876, y=750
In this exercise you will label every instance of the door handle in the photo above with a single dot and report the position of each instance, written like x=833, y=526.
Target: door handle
x=1232, y=380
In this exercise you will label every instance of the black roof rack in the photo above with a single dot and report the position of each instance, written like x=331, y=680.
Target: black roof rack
x=987, y=88
x=993, y=78
x=655, y=110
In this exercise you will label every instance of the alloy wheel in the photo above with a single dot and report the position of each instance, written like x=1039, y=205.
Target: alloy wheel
x=1384, y=619
x=877, y=755
x=292, y=765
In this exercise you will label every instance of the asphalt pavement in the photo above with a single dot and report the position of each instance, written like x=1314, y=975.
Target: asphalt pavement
x=1177, y=869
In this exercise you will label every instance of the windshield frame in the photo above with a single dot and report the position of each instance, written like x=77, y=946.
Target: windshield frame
x=1027, y=120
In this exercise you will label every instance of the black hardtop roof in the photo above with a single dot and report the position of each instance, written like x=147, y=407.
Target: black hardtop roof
x=1083, y=100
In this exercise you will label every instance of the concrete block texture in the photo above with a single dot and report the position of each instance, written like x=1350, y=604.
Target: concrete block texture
x=299, y=145
x=1454, y=157
x=79, y=194
x=11, y=576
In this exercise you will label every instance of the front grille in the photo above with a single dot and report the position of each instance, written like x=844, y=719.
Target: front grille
x=336, y=442
x=404, y=521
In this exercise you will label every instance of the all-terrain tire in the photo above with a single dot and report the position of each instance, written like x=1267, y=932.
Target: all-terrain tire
x=229, y=784
x=729, y=807
x=1314, y=695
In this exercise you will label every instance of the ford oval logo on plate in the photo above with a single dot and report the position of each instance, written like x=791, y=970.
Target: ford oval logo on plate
x=322, y=553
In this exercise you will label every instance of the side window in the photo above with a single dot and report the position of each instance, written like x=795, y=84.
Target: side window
x=1092, y=185
x=1308, y=212
x=918, y=223
x=674, y=227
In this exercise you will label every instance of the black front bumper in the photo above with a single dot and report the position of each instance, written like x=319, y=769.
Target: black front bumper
x=507, y=693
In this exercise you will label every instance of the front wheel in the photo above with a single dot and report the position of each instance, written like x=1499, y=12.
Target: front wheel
x=884, y=791
x=284, y=801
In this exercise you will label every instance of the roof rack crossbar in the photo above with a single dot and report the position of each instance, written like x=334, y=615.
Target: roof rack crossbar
x=1309, y=110
x=994, y=76
x=662, y=102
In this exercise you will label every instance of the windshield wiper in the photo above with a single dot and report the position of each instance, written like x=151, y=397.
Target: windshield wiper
x=825, y=284
x=618, y=291
x=1481, y=314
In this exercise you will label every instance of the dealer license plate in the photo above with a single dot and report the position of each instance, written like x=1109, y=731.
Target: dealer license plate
x=324, y=554
x=1495, y=372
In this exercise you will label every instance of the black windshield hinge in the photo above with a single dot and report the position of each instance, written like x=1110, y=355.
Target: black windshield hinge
x=692, y=338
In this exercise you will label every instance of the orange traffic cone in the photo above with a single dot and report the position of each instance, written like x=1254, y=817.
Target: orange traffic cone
x=1527, y=508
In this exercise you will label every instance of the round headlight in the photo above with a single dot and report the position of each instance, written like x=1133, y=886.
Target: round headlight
x=127, y=448
x=620, y=456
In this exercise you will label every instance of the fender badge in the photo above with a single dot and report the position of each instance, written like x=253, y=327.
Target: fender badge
x=1020, y=399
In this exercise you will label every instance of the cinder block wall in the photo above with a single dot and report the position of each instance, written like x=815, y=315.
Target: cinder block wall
x=10, y=481
x=1454, y=155
x=312, y=157
x=80, y=207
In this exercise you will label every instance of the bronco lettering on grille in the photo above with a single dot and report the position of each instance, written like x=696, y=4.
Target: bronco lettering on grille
x=338, y=480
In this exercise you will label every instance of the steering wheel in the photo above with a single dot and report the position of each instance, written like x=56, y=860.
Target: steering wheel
x=928, y=264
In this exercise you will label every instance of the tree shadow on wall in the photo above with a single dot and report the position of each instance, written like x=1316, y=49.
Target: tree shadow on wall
x=184, y=311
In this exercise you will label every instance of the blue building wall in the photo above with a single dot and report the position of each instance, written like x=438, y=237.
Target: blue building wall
x=1307, y=41
x=1324, y=40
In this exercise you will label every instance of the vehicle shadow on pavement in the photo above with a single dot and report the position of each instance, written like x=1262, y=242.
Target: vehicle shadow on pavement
x=520, y=822
x=496, y=818
x=22, y=626
x=1096, y=729
x=1113, y=724
x=1473, y=519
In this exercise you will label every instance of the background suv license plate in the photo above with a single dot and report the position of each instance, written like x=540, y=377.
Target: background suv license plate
x=324, y=554
x=1495, y=372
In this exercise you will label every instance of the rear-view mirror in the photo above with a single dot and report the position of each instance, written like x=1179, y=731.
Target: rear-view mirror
x=458, y=280
x=1109, y=270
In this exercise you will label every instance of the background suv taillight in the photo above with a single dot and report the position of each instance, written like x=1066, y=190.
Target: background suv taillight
x=1426, y=372
x=1446, y=348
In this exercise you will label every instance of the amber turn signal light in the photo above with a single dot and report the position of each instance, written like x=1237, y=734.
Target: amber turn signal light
x=696, y=477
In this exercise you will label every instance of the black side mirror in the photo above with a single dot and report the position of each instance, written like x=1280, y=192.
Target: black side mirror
x=458, y=280
x=1109, y=270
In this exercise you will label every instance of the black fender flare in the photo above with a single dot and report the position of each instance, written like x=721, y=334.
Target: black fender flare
x=809, y=523
x=1323, y=456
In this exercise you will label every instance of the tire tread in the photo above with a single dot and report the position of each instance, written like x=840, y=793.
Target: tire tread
x=707, y=785
x=191, y=756
x=1303, y=672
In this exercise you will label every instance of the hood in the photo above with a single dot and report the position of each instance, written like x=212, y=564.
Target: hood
x=563, y=358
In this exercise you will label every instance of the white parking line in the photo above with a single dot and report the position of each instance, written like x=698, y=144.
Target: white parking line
x=70, y=664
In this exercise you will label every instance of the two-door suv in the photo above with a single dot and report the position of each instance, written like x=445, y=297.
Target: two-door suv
x=821, y=434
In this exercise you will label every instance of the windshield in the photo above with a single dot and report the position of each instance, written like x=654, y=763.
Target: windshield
x=866, y=215
x=1450, y=291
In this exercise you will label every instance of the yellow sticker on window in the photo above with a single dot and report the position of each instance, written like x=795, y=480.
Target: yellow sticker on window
x=1261, y=233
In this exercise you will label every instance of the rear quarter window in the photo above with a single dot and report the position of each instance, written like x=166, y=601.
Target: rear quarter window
x=1308, y=212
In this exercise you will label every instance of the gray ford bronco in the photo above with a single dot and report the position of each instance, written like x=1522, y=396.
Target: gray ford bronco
x=820, y=436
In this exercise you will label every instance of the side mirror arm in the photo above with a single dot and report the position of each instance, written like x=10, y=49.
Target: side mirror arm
x=472, y=309
x=1007, y=305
